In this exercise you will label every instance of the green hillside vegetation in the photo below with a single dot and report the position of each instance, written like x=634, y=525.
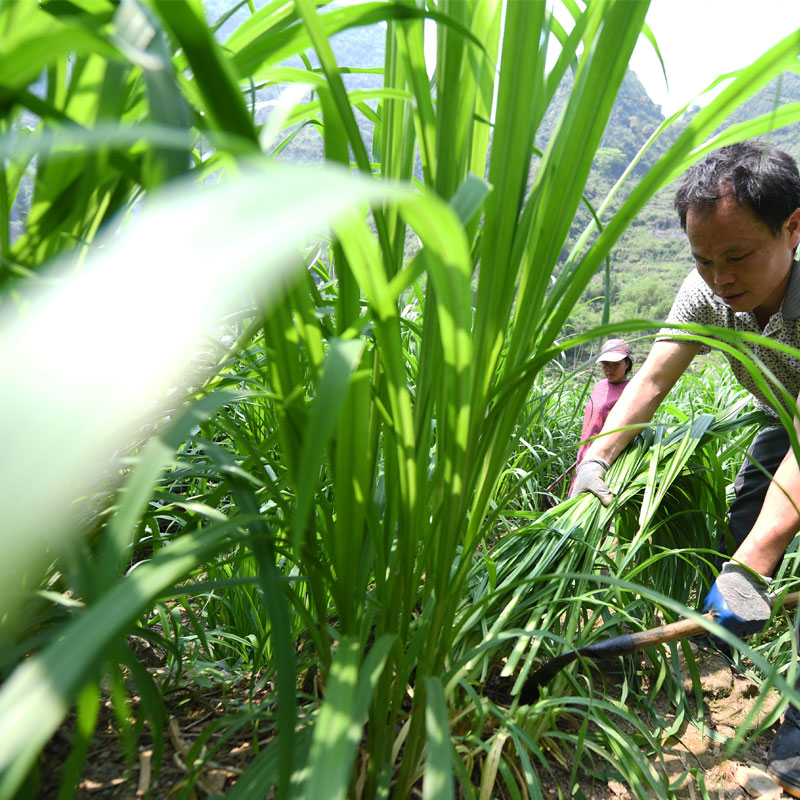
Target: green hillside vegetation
x=651, y=259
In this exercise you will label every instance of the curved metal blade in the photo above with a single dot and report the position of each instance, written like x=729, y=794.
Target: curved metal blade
x=617, y=646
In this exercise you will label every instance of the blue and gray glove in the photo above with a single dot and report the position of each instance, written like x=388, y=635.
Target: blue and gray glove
x=590, y=477
x=739, y=600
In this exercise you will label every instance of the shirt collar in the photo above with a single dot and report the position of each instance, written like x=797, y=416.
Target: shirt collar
x=790, y=308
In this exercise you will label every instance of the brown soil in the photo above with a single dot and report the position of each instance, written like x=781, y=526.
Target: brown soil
x=108, y=773
x=727, y=701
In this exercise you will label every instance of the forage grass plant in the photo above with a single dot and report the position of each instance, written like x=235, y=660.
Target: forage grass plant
x=542, y=465
x=320, y=500
x=580, y=573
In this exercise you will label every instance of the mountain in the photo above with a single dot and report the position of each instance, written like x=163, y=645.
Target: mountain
x=633, y=120
x=651, y=258
x=359, y=50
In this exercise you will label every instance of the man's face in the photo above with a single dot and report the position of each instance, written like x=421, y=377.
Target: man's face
x=614, y=371
x=740, y=258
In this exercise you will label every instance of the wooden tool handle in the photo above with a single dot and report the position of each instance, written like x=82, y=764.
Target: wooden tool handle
x=684, y=628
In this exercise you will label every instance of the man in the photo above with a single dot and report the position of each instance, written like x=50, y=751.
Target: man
x=740, y=208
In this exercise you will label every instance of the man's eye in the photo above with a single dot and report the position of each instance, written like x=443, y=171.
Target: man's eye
x=737, y=259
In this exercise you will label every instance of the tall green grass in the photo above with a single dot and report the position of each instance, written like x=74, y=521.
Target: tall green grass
x=319, y=501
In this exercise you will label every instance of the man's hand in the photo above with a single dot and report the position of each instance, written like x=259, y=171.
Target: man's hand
x=590, y=477
x=739, y=600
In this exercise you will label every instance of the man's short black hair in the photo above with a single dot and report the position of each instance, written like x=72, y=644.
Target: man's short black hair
x=758, y=175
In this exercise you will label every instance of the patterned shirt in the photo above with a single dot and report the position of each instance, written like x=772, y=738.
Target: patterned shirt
x=696, y=303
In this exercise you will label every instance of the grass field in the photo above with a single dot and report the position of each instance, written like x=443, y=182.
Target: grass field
x=241, y=426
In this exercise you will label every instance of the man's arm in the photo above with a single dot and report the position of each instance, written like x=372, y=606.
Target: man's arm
x=778, y=521
x=666, y=362
x=739, y=598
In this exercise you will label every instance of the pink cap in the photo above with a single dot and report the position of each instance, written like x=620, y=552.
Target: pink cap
x=615, y=350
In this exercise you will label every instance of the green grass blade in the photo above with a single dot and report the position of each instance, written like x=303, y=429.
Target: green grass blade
x=269, y=38
x=33, y=39
x=34, y=700
x=158, y=453
x=86, y=713
x=166, y=104
x=559, y=182
x=338, y=729
x=342, y=358
x=210, y=67
x=520, y=103
x=437, y=782
x=219, y=229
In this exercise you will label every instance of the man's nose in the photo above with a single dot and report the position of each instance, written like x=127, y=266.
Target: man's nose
x=723, y=275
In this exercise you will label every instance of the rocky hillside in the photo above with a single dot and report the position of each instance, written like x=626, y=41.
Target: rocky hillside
x=651, y=258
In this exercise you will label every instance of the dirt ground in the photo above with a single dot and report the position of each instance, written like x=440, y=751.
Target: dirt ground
x=728, y=699
x=107, y=774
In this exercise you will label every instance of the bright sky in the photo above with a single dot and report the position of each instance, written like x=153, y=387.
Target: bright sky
x=701, y=39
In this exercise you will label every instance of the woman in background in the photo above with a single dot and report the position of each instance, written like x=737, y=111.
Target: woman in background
x=616, y=362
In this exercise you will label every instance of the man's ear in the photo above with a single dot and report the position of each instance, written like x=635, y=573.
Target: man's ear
x=793, y=228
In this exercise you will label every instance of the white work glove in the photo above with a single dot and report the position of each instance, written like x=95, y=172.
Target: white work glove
x=590, y=477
